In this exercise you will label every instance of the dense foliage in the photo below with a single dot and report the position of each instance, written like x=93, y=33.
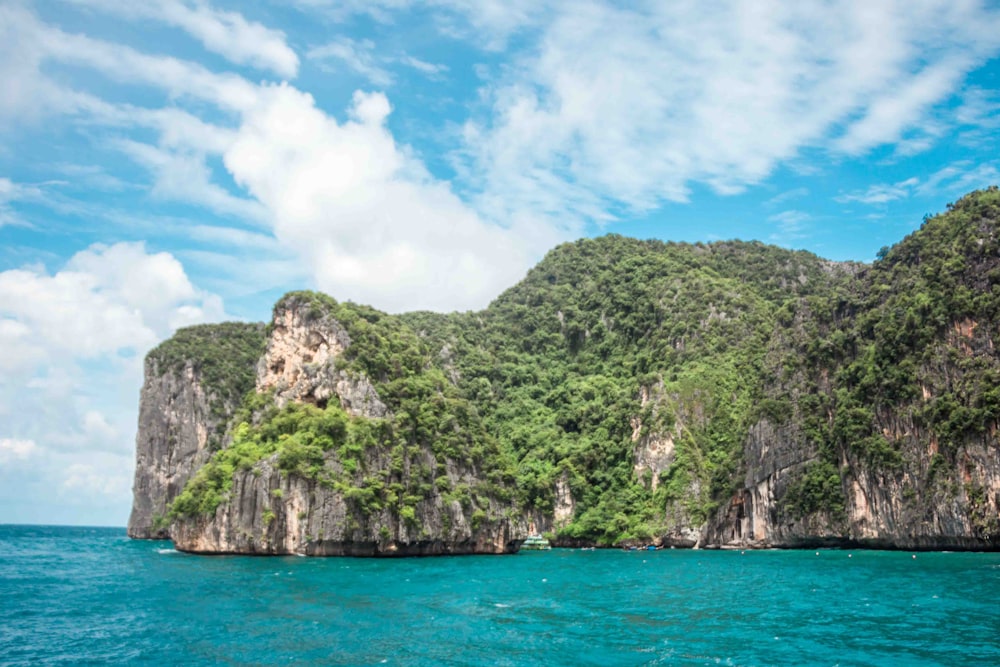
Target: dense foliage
x=895, y=370
x=390, y=463
x=224, y=355
x=558, y=364
x=609, y=342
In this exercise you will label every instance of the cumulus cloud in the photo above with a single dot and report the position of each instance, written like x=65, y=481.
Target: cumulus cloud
x=361, y=210
x=15, y=450
x=181, y=174
x=71, y=345
x=371, y=221
x=106, y=299
x=568, y=134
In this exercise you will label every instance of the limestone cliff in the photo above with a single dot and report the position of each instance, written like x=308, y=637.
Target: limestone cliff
x=368, y=489
x=171, y=445
x=889, y=433
x=728, y=395
x=299, y=363
x=920, y=504
x=270, y=512
x=193, y=383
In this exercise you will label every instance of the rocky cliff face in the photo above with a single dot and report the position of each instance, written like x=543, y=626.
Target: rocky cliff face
x=921, y=504
x=392, y=497
x=299, y=363
x=890, y=440
x=193, y=384
x=721, y=396
x=175, y=421
x=270, y=513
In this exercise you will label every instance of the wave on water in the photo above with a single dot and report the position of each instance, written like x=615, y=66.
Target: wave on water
x=166, y=551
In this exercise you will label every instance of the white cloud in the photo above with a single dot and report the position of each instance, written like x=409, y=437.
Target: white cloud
x=91, y=176
x=373, y=225
x=226, y=33
x=782, y=197
x=15, y=450
x=904, y=105
x=430, y=69
x=91, y=480
x=364, y=58
x=598, y=110
x=677, y=94
x=792, y=225
x=979, y=109
x=493, y=22
x=490, y=23
x=956, y=178
x=105, y=300
x=570, y=134
x=71, y=349
x=183, y=175
x=959, y=178
x=880, y=193
x=361, y=211
x=358, y=56
x=12, y=192
x=9, y=191
x=96, y=425
x=36, y=42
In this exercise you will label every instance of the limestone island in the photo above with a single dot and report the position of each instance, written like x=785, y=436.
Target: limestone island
x=625, y=392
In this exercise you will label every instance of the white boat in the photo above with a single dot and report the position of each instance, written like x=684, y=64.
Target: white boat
x=536, y=543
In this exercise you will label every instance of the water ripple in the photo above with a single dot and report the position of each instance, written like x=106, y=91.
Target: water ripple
x=74, y=595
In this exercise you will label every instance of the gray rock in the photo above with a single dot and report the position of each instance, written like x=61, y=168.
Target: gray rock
x=175, y=425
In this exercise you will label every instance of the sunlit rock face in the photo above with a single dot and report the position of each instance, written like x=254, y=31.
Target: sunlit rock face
x=805, y=403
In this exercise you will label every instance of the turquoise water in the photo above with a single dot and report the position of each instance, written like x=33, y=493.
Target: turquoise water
x=90, y=595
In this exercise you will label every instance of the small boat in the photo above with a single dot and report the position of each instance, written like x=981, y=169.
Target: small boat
x=536, y=543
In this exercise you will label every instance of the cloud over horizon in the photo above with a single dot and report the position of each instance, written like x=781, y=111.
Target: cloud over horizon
x=71, y=349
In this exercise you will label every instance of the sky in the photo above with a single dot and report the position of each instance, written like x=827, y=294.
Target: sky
x=173, y=162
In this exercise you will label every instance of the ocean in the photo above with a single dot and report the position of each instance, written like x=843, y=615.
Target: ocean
x=92, y=596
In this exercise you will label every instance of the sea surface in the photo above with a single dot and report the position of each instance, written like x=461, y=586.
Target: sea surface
x=92, y=596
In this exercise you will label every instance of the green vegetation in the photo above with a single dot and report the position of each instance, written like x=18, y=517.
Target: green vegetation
x=920, y=345
x=295, y=438
x=609, y=341
x=557, y=364
x=160, y=522
x=223, y=357
x=344, y=453
x=819, y=489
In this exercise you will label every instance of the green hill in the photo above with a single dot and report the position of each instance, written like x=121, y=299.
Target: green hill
x=723, y=393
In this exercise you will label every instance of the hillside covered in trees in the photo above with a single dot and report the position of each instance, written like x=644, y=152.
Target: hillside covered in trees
x=625, y=391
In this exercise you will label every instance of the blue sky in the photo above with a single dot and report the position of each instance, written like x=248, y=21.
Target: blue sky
x=176, y=162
